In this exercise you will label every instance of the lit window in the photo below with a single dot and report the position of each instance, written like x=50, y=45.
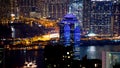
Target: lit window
x=68, y=57
x=68, y=53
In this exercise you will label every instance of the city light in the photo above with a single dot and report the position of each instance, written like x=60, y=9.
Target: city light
x=91, y=34
x=62, y=33
x=12, y=15
x=68, y=53
x=55, y=35
x=96, y=65
x=31, y=64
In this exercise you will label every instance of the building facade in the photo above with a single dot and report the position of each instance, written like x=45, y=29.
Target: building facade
x=101, y=14
x=45, y=8
x=98, y=17
x=76, y=7
x=25, y=7
x=116, y=18
x=70, y=33
x=53, y=8
x=101, y=17
x=86, y=16
x=5, y=8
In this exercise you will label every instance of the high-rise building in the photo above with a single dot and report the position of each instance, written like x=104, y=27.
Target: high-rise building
x=116, y=18
x=98, y=17
x=26, y=6
x=70, y=33
x=5, y=8
x=76, y=7
x=101, y=17
x=14, y=8
x=101, y=14
x=86, y=15
x=42, y=8
x=52, y=8
x=67, y=26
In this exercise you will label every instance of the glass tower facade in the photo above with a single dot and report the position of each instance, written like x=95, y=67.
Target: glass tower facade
x=101, y=13
x=101, y=17
x=76, y=7
x=67, y=34
x=86, y=15
x=98, y=17
x=116, y=18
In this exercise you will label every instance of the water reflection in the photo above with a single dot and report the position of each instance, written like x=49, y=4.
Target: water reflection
x=13, y=31
x=30, y=61
x=91, y=52
x=24, y=59
x=35, y=59
x=95, y=52
x=1, y=56
x=30, y=64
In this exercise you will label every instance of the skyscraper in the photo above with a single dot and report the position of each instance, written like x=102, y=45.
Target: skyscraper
x=76, y=7
x=26, y=6
x=53, y=8
x=70, y=33
x=5, y=8
x=86, y=15
x=101, y=13
x=45, y=8
x=116, y=18
x=14, y=8
x=98, y=17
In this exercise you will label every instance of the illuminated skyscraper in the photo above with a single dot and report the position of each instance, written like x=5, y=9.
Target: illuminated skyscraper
x=86, y=15
x=26, y=6
x=69, y=29
x=116, y=18
x=14, y=8
x=70, y=33
x=101, y=13
x=53, y=8
x=58, y=8
x=76, y=7
x=101, y=17
x=42, y=8
x=98, y=17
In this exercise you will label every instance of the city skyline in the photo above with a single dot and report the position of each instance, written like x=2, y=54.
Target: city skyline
x=93, y=18
x=59, y=33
